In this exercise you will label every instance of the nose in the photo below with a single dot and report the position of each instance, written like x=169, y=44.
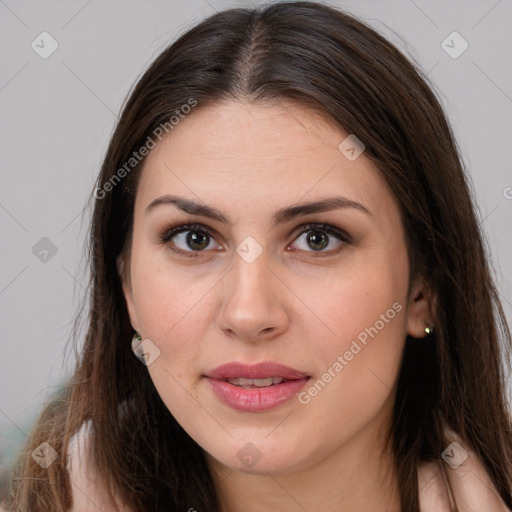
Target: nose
x=253, y=306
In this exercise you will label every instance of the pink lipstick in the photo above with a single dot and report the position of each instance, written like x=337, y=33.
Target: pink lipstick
x=255, y=388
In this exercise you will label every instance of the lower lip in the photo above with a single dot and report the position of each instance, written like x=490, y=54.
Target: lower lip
x=257, y=399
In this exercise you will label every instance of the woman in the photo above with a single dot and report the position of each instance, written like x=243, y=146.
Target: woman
x=284, y=236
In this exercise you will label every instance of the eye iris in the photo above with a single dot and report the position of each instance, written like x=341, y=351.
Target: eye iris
x=318, y=240
x=194, y=240
x=199, y=240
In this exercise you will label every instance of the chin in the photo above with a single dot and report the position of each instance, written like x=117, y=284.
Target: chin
x=261, y=458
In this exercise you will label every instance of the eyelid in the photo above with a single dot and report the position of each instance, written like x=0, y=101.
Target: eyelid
x=324, y=226
x=169, y=231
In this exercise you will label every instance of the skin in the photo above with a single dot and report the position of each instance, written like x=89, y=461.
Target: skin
x=471, y=486
x=288, y=306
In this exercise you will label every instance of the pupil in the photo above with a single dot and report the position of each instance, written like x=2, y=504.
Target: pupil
x=198, y=241
x=194, y=236
x=316, y=238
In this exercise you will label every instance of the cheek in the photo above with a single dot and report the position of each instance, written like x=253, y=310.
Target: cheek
x=365, y=310
x=172, y=307
x=357, y=370
x=168, y=297
x=367, y=326
x=365, y=294
x=170, y=313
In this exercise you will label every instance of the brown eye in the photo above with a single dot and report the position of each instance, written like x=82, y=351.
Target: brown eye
x=318, y=237
x=188, y=239
x=197, y=240
x=317, y=240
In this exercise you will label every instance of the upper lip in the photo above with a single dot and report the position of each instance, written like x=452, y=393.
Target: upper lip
x=255, y=371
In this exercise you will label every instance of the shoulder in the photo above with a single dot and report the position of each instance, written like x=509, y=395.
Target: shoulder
x=88, y=491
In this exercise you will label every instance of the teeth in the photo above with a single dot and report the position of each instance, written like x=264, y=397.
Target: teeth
x=262, y=383
x=259, y=383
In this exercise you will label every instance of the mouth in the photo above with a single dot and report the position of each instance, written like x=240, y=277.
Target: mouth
x=256, y=388
x=256, y=372
x=242, y=382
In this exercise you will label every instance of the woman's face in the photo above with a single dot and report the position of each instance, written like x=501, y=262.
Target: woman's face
x=329, y=303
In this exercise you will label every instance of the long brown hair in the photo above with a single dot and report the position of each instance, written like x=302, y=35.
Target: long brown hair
x=330, y=61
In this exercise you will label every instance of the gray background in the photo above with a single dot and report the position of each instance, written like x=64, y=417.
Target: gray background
x=57, y=115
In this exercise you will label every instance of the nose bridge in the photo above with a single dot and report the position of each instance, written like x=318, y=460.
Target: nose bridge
x=251, y=301
x=249, y=278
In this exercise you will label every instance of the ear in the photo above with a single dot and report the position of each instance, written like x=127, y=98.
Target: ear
x=420, y=309
x=124, y=274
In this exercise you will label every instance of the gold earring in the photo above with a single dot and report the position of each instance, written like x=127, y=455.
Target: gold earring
x=137, y=338
x=429, y=329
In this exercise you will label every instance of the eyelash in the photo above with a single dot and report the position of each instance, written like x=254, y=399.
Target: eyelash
x=170, y=231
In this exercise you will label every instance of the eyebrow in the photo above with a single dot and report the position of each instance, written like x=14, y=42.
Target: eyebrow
x=280, y=216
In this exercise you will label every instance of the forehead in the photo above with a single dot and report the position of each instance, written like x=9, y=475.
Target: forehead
x=234, y=152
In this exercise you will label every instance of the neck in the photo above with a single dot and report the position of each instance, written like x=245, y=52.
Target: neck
x=359, y=475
